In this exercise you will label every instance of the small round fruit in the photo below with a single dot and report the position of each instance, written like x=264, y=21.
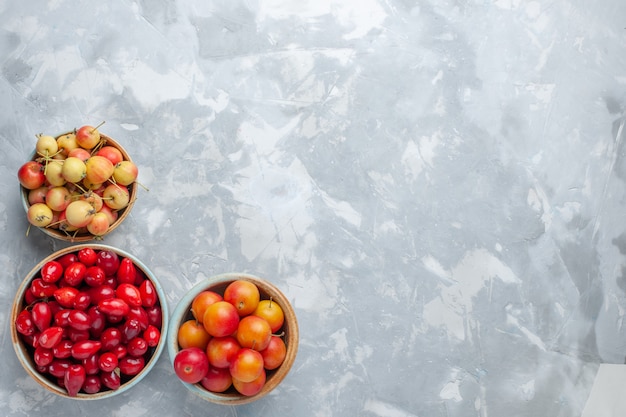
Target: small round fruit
x=39, y=214
x=99, y=169
x=30, y=175
x=24, y=323
x=99, y=224
x=79, y=213
x=220, y=319
x=149, y=295
x=111, y=214
x=201, y=302
x=125, y=172
x=46, y=145
x=116, y=196
x=38, y=195
x=88, y=256
x=108, y=261
x=74, y=169
x=92, y=198
x=52, y=271
x=217, y=379
x=67, y=142
x=131, y=365
x=90, y=185
x=111, y=153
x=54, y=173
x=74, y=378
x=63, y=224
x=274, y=354
x=129, y=293
x=152, y=335
x=244, y=295
x=222, y=350
x=272, y=312
x=58, y=198
x=107, y=361
x=111, y=380
x=50, y=337
x=80, y=153
x=252, y=387
x=254, y=332
x=193, y=334
x=87, y=136
x=247, y=365
x=191, y=365
x=92, y=384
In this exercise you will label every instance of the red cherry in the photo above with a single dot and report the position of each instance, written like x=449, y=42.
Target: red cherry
x=85, y=349
x=24, y=323
x=42, y=315
x=131, y=365
x=108, y=261
x=67, y=259
x=74, y=378
x=152, y=335
x=87, y=256
x=149, y=296
x=129, y=293
x=52, y=271
x=74, y=274
x=50, y=337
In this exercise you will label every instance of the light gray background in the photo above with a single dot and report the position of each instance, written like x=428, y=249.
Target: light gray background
x=437, y=186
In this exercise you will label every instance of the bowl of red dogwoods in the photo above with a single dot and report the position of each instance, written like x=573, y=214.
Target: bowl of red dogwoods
x=89, y=322
x=78, y=186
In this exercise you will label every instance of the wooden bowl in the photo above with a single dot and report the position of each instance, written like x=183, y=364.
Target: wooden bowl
x=24, y=351
x=267, y=290
x=83, y=235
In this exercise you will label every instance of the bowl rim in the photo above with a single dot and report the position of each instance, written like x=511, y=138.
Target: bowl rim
x=181, y=310
x=123, y=213
x=26, y=361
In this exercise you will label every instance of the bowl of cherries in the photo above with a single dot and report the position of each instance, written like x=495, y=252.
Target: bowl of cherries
x=89, y=322
x=78, y=186
x=233, y=338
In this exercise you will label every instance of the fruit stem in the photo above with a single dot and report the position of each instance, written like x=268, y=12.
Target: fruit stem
x=142, y=186
x=47, y=157
x=101, y=123
x=100, y=143
x=112, y=181
x=82, y=190
x=98, y=146
x=53, y=224
x=72, y=236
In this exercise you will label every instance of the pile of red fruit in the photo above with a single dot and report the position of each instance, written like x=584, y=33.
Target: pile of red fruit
x=232, y=340
x=77, y=183
x=91, y=320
